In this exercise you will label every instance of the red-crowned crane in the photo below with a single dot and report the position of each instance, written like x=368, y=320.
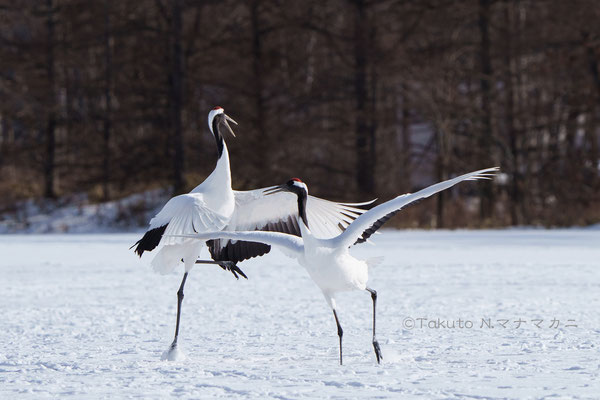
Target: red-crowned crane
x=328, y=261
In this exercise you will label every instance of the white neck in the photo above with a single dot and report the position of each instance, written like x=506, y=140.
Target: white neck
x=220, y=179
x=304, y=230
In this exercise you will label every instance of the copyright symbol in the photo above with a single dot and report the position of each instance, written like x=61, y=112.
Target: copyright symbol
x=408, y=323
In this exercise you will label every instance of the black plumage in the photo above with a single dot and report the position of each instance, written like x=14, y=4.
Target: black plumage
x=373, y=228
x=241, y=250
x=150, y=240
x=379, y=223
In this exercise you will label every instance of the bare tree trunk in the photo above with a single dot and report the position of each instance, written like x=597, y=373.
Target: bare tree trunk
x=176, y=94
x=69, y=144
x=525, y=153
x=263, y=162
x=487, y=194
x=515, y=182
x=441, y=167
x=49, y=164
x=591, y=134
x=592, y=60
x=365, y=135
x=108, y=103
x=406, y=169
x=5, y=142
x=591, y=137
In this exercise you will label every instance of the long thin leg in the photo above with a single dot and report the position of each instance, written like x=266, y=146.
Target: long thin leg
x=179, y=301
x=227, y=266
x=375, y=342
x=340, y=332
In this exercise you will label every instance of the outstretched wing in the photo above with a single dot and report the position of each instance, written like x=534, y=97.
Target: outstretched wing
x=278, y=212
x=186, y=213
x=291, y=245
x=366, y=224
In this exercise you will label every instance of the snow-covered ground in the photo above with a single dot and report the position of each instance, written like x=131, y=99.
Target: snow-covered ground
x=82, y=317
x=77, y=214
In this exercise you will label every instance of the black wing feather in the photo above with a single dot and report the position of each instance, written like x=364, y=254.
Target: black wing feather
x=242, y=250
x=150, y=240
x=373, y=228
x=379, y=223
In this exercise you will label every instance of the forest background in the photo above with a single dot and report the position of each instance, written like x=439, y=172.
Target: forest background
x=359, y=98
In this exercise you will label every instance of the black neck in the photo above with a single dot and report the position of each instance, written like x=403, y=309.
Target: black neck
x=218, y=137
x=302, y=207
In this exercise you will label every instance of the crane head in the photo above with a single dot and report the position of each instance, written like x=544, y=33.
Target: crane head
x=294, y=185
x=218, y=118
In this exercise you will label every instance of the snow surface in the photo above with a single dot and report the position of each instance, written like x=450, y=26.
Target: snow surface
x=82, y=317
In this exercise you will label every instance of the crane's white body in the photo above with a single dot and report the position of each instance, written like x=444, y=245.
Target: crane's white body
x=332, y=268
x=208, y=207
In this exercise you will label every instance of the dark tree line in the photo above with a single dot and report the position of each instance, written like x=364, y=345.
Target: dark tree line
x=358, y=97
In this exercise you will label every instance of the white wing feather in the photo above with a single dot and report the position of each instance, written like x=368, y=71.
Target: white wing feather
x=186, y=213
x=278, y=212
x=254, y=210
x=368, y=219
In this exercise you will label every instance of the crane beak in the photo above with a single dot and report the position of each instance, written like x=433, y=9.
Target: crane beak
x=276, y=189
x=228, y=118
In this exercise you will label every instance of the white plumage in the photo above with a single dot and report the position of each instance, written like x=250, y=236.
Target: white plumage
x=184, y=214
